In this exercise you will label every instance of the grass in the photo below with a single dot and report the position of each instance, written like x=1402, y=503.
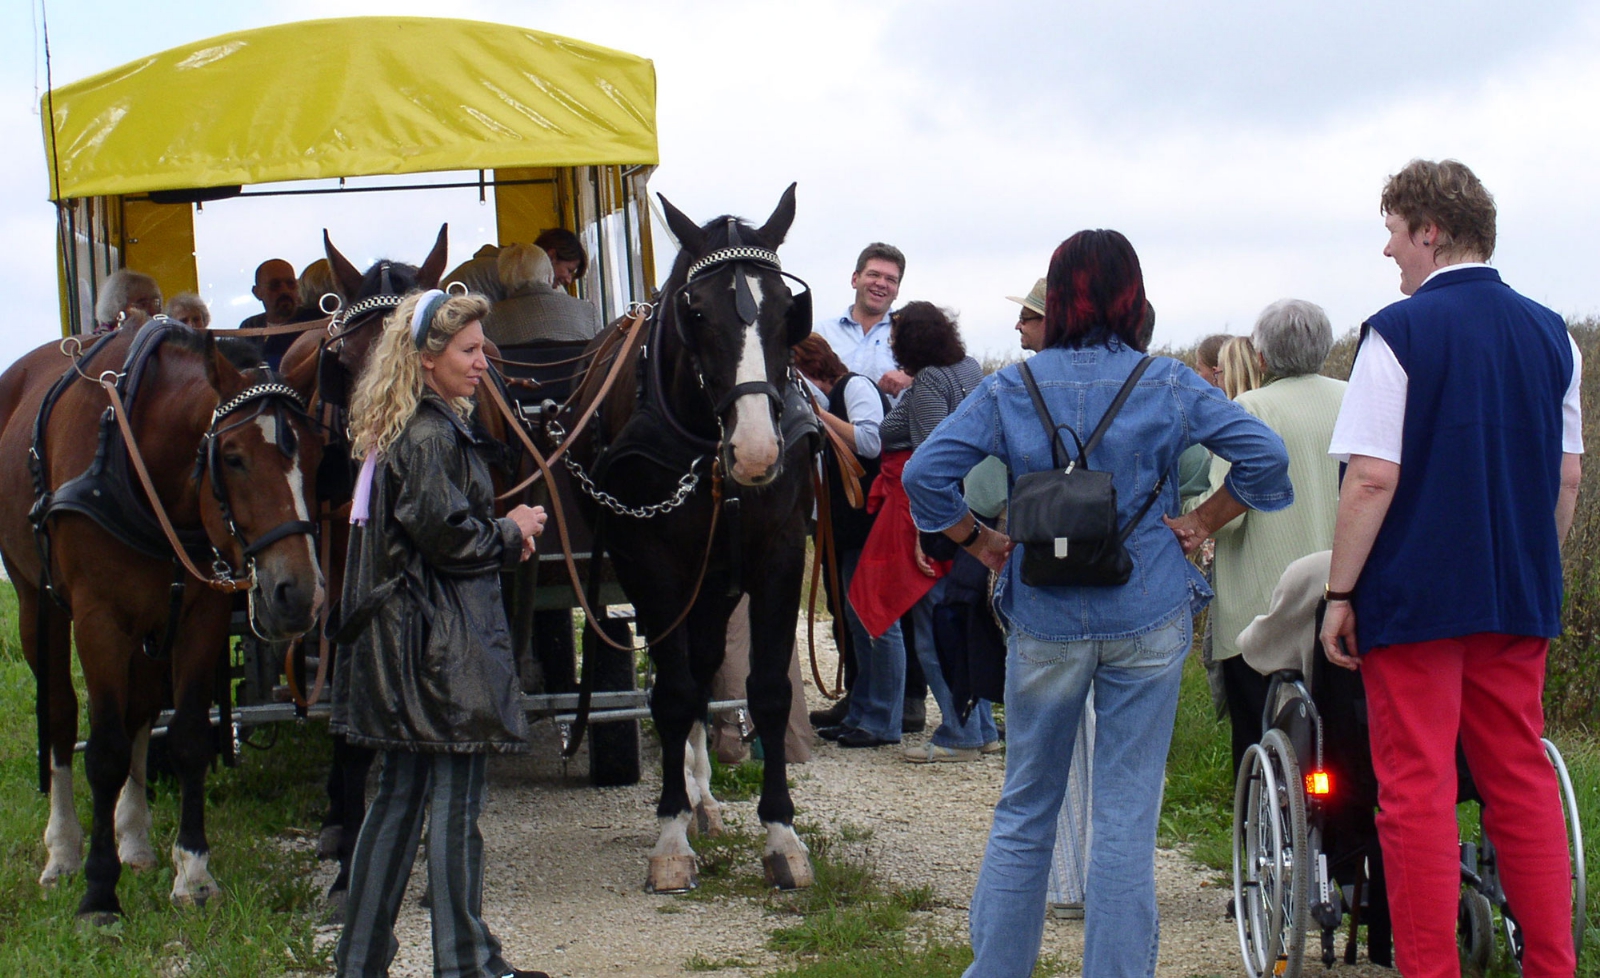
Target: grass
x=262, y=925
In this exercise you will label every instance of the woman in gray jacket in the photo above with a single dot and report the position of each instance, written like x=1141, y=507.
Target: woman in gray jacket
x=425, y=673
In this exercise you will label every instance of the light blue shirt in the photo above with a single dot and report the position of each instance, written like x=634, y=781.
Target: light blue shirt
x=865, y=353
x=1170, y=409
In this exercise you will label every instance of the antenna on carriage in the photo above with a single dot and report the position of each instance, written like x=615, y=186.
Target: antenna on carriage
x=62, y=234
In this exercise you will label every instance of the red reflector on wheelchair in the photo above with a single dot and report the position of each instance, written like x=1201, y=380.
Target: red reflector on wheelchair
x=1319, y=783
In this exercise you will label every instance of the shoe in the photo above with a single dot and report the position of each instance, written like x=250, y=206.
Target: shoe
x=833, y=715
x=860, y=738
x=519, y=973
x=834, y=732
x=914, y=718
x=1066, y=911
x=994, y=747
x=931, y=752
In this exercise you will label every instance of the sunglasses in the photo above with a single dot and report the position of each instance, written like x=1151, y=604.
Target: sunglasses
x=1029, y=317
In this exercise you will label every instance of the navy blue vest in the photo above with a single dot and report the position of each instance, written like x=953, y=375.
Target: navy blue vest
x=1469, y=543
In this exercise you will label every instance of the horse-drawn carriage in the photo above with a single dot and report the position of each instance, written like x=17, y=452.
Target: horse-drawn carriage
x=562, y=133
x=556, y=132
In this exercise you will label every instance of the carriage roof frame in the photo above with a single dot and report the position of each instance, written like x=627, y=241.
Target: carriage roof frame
x=564, y=130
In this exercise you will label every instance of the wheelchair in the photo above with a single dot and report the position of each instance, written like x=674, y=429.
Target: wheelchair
x=1302, y=810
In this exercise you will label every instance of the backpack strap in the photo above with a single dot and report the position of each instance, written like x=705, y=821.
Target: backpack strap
x=1052, y=431
x=1116, y=406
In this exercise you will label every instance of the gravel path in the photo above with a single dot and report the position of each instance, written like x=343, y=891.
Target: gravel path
x=566, y=866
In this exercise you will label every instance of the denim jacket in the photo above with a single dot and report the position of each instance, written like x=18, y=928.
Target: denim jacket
x=1170, y=409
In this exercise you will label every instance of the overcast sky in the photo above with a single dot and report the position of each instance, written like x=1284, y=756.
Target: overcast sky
x=1241, y=146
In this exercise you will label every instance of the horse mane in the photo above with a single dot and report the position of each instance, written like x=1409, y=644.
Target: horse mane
x=243, y=352
x=402, y=279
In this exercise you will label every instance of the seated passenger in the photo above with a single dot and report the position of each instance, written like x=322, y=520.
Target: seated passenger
x=533, y=310
x=566, y=253
x=316, y=281
x=127, y=298
x=480, y=273
x=190, y=310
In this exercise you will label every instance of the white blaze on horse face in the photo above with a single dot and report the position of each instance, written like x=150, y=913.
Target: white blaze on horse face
x=268, y=424
x=132, y=821
x=63, y=835
x=755, y=437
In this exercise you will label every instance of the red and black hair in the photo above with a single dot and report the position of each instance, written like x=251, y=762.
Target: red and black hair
x=1095, y=292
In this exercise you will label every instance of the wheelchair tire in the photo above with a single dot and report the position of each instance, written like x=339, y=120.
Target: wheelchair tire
x=1295, y=864
x=1257, y=843
x=1475, y=931
x=1569, y=811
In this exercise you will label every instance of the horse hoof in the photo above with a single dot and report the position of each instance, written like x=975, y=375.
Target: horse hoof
x=336, y=902
x=708, y=820
x=196, y=897
x=53, y=874
x=139, y=861
x=98, y=920
x=787, y=870
x=671, y=874
x=328, y=842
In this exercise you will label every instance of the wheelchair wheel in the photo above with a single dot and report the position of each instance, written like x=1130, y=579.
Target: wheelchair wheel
x=1270, y=859
x=1475, y=930
x=1569, y=810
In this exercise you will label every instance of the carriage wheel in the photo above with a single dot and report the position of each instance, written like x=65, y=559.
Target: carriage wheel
x=1569, y=810
x=1296, y=860
x=1475, y=930
x=614, y=746
x=1257, y=837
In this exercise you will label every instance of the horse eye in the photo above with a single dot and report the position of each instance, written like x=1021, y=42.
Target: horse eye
x=235, y=462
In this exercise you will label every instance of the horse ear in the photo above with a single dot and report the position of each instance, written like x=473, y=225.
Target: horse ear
x=686, y=231
x=223, y=377
x=776, y=229
x=797, y=324
x=433, y=268
x=346, y=274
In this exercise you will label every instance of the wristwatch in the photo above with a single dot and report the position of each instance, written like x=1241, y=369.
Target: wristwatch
x=1328, y=594
x=977, y=531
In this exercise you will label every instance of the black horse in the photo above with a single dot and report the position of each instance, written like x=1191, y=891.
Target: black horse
x=716, y=397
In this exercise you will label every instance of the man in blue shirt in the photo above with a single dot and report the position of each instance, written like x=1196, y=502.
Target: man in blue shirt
x=860, y=337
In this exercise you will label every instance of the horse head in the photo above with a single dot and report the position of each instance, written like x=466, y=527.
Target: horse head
x=731, y=319
x=257, y=466
x=384, y=278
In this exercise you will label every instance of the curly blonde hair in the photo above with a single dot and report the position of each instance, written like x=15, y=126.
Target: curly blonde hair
x=391, y=385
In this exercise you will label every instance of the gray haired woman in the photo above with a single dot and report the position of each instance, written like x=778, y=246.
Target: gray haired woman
x=1292, y=338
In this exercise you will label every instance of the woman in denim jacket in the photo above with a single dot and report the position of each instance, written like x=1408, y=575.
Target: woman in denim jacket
x=1130, y=640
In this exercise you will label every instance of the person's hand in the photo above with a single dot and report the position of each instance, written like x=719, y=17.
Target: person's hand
x=894, y=382
x=992, y=548
x=1190, y=530
x=1339, y=634
x=530, y=520
x=922, y=559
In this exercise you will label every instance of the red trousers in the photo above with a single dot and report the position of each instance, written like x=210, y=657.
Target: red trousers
x=1488, y=688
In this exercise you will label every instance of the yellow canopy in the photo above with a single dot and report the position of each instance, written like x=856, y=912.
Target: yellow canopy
x=350, y=97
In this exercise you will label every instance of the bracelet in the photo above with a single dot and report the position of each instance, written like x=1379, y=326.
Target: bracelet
x=972, y=538
x=1328, y=594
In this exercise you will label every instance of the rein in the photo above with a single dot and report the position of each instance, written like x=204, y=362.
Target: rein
x=221, y=577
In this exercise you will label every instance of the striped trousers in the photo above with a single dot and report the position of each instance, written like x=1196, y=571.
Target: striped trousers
x=449, y=789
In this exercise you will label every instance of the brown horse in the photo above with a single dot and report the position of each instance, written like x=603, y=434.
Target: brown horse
x=100, y=565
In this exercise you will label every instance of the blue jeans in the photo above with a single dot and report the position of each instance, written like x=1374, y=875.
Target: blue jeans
x=1135, y=700
x=877, y=700
x=979, y=728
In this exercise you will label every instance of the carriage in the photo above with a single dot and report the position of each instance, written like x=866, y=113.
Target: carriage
x=553, y=132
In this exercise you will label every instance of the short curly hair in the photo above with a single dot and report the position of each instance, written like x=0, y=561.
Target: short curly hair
x=816, y=359
x=1450, y=197
x=923, y=335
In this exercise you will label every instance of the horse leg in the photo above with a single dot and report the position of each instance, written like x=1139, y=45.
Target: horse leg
x=353, y=763
x=774, y=607
x=195, y=659
x=106, y=761
x=63, y=834
x=675, y=705
x=133, y=810
x=697, y=781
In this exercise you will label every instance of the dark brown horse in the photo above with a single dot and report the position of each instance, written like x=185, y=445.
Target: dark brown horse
x=717, y=390
x=101, y=567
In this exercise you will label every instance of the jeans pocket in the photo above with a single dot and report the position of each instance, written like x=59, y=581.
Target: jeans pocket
x=1162, y=644
x=1038, y=651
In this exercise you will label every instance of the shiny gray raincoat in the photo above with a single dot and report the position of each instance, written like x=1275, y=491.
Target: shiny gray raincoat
x=425, y=661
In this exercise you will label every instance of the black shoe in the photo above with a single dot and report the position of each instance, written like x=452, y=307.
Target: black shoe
x=519, y=973
x=860, y=738
x=833, y=715
x=834, y=732
x=914, y=719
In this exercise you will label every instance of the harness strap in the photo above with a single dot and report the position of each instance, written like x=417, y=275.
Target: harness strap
x=824, y=561
x=163, y=652
x=272, y=536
